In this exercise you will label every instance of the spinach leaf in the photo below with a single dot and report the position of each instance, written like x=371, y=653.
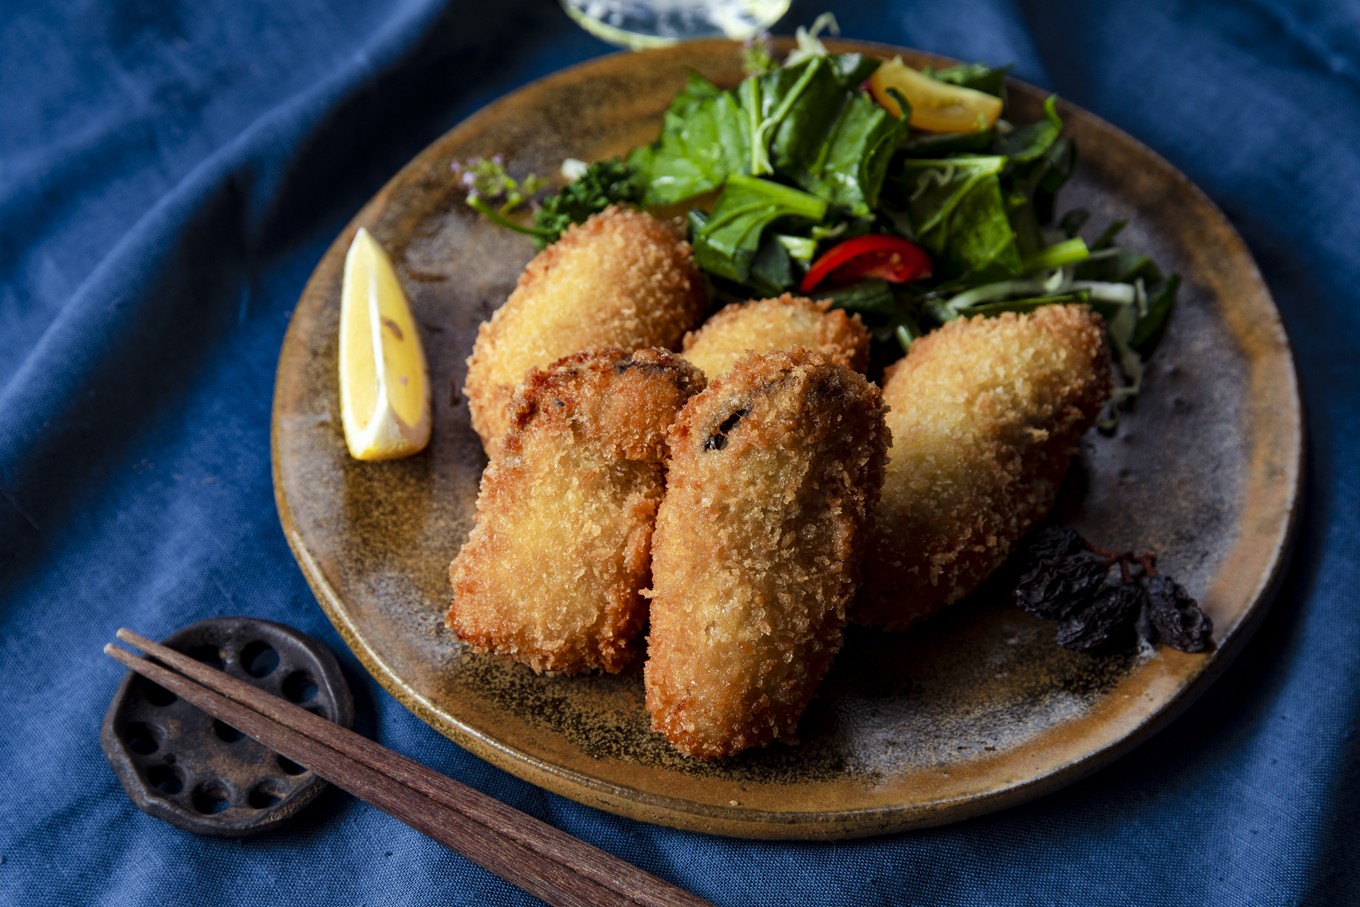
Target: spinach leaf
x=770, y=101
x=853, y=70
x=1040, y=178
x=835, y=142
x=772, y=269
x=849, y=166
x=704, y=138
x=941, y=144
x=806, y=124
x=933, y=188
x=727, y=242
x=957, y=211
x=1029, y=143
x=872, y=297
x=981, y=240
x=976, y=76
x=1039, y=162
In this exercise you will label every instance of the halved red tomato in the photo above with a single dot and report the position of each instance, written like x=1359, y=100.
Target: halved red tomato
x=889, y=258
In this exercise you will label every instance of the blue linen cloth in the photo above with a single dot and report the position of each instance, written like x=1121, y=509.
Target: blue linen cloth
x=171, y=172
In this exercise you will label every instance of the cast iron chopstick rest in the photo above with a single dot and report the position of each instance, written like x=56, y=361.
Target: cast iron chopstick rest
x=185, y=767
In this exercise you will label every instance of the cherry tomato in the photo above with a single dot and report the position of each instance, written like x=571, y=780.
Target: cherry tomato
x=890, y=258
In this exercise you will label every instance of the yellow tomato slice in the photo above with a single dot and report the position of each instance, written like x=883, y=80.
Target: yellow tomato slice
x=935, y=106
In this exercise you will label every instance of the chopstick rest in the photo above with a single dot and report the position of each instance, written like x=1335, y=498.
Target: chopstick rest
x=181, y=765
x=546, y=862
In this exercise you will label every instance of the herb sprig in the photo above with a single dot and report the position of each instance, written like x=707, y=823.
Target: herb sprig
x=498, y=196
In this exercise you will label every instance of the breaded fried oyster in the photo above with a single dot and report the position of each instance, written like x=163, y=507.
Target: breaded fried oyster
x=787, y=322
x=553, y=570
x=774, y=471
x=622, y=279
x=985, y=415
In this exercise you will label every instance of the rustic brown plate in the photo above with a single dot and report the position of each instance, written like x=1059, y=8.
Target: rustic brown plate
x=977, y=711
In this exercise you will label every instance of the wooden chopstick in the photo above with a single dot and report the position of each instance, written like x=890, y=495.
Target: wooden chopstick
x=543, y=860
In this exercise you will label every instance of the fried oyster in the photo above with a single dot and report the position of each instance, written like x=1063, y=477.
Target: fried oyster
x=774, y=472
x=783, y=323
x=985, y=415
x=622, y=279
x=553, y=570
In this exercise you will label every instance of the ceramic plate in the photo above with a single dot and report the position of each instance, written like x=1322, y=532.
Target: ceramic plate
x=976, y=711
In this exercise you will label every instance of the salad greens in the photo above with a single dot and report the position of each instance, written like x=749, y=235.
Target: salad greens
x=798, y=158
x=726, y=242
x=807, y=125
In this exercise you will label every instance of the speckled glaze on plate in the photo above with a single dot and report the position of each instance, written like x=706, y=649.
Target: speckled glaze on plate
x=977, y=711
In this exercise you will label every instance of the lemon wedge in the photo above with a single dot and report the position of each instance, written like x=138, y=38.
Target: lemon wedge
x=935, y=106
x=384, y=381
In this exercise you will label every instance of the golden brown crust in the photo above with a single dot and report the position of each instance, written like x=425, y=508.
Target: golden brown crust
x=622, y=279
x=985, y=414
x=552, y=572
x=774, y=471
x=784, y=323
x=621, y=402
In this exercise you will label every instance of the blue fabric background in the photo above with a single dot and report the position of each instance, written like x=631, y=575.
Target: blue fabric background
x=171, y=171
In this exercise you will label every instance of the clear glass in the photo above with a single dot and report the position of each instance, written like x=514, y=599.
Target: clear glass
x=653, y=23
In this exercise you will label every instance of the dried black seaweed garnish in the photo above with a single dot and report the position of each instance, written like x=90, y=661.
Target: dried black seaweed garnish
x=1055, y=587
x=1177, y=617
x=1067, y=579
x=1106, y=622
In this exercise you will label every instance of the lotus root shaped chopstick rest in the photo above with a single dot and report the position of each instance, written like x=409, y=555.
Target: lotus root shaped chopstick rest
x=183, y=766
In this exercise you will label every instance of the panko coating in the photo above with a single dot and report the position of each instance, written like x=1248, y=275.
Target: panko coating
x=774, y=472
x=985, y=415
x=553, y=570
x=786, y=322
x=622, y=279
